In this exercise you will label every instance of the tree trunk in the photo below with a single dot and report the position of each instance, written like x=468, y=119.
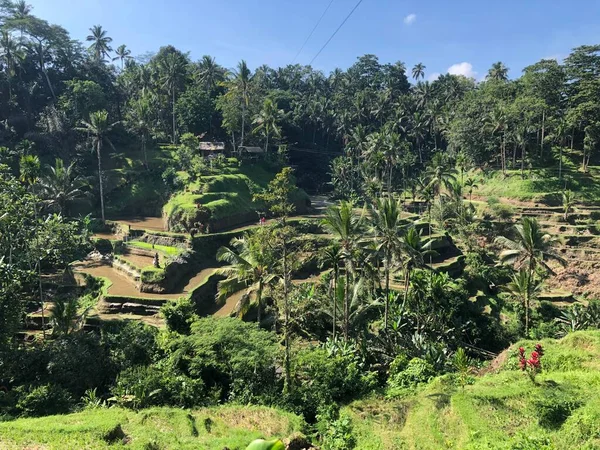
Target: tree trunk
x=560, y=163
x=504, y=152
x=287, y=364
x=543, y=133
x=259, y=302
x=514, y=158
x=144, y=150
x=522, y=161
x=41, y=297
x=346, y=300
x=335, y=277
x=387, y=291
x=174, y=124
x=99, y=154
x=406, y=284
x=243, y=121
x=267, y=143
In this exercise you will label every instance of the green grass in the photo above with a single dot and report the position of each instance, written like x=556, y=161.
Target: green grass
x=207, y=428
x=169, y=251
x=539, y=186
x=224, y=195
x=499, y=410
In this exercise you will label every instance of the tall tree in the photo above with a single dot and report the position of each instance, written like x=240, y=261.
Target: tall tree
x=60, y=186
x=250, y=267
x=341, y=221
x=123, y=54
x=172, y=71
x=386, y=228
x=418, y=71
x=100, y=43
x=98, y=128
x=498, y=72
x=267, y=121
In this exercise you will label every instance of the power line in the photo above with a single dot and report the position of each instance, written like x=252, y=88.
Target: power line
x=313, y=30
x=336, y=31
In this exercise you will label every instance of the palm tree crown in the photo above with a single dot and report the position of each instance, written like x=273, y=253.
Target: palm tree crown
x=418, y=71
x=100, y=40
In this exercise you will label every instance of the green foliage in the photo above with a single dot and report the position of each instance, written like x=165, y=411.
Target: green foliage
x=339, y=435
x=179, y=315
x=261, y=444
x=235, y=360
x=323, y=379
x=44, y=400
x=417, y=371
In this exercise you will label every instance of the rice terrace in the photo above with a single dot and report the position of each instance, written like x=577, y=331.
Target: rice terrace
x=262, y=251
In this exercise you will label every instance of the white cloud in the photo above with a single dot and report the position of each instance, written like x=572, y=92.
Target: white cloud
x=410, y=19
x=463, y=68
x=434, y=76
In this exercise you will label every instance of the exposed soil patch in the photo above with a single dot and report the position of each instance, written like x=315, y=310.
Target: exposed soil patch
x=579, y=277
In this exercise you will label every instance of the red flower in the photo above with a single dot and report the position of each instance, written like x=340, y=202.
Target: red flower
x=539, y=349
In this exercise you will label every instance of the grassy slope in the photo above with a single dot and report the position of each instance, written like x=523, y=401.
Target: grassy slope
x=539, y=183
x=224, y=194
x=208, y=428
x=498, y=410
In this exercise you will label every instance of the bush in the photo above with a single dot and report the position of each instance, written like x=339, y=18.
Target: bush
x=501, y=211
x=180, y=315
x=237, y=360
x=323, y=379
x=43, y=400
x=339, y=434
x=103, y=246
x=143, y=386
x=417, y=371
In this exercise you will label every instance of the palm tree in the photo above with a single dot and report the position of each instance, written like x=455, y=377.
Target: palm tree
x=498, y=72
x=418, y=71
x=139, y=119
x=9, y=53
x=266, y=121
x=386, y=229
x=414, y=255
x=332, y=256
x=439, y=174
x=241, y=83
x=525, y=288
x=341, y=221
x=568, y=201
x=29, y=168
x=211, y=74
x=249, y=267
x=123, y=53
x=531, y=247
x=497, y=121
x=561, y=133
x=100, y=46
x=61, y=186
x=98, y=128
x=471, y=184
x=171, y=72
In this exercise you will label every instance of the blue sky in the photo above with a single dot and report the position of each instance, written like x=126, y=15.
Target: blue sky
x=460, y=36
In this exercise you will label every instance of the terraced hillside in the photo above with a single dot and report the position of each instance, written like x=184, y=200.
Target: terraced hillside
x=498, y=408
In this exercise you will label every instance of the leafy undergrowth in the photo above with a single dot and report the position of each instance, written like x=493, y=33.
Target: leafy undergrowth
x=502, y=409
x=232, y=427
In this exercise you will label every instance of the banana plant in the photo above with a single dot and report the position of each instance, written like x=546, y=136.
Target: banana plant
x=261, y=444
